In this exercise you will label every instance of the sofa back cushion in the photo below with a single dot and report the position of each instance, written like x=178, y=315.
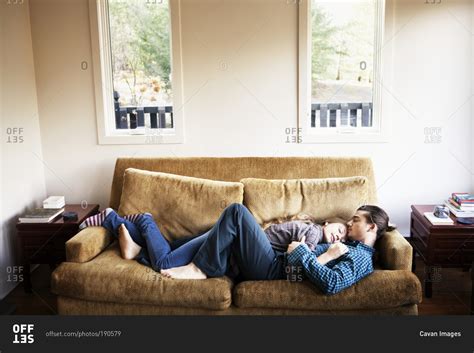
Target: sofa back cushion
x=181, y=205
x=236, y=168
x=320, y=198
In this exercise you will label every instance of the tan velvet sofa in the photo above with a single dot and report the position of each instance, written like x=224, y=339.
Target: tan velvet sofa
x=96, y=280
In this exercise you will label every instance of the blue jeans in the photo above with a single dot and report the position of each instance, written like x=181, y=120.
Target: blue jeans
x=156, y=251
x=237, y=234
x=235, y=237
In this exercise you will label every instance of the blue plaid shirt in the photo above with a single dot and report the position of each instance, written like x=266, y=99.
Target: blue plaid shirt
x=337, y=274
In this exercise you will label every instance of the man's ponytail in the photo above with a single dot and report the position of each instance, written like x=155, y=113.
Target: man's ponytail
x=378, y=216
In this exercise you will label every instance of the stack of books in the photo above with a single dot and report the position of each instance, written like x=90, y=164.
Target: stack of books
x=54, y=202
x=40, y=215
x=461, y=204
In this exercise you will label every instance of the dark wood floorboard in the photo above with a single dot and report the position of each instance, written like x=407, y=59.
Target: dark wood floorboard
x=451, y=293
x=41, y=301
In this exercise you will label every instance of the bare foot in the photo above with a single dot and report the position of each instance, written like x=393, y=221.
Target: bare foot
x=128, y=248
x=190, y=271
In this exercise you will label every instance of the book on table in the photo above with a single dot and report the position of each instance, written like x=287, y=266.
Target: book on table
x=463, y=198
x=40, y=215
x=457, y=212
x=54, y=202
x=437, y=221
x=463, y=206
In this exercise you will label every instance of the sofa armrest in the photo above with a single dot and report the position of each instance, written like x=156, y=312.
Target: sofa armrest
x=87, y=244
x=395, y=253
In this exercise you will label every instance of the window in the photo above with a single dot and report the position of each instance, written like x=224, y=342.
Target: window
x=137, y=70
x=340, y=71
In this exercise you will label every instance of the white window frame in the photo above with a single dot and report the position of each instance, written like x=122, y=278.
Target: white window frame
x=381, y=130
x=103, y=81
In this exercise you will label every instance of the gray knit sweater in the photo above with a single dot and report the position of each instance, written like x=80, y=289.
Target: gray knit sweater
x=282, y=234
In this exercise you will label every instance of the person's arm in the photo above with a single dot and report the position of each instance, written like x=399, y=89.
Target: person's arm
x=282, y=234
x=328, y=280
x=279, y=233
x=320, y=249
x=313, y=234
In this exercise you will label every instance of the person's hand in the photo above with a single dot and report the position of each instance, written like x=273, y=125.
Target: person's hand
x=336, y=250
x=294, y=244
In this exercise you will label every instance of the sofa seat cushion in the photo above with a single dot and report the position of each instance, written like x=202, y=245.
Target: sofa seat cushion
x=182, y=206
x=381, y=289
x=270, y=199
x=109, y=278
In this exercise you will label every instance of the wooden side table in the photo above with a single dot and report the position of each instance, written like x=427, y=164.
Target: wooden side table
x=440, y=246
x=43, y=243
x=472, y=290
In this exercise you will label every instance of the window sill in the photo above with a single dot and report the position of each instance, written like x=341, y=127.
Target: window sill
x=344, y=137
x=125, y=138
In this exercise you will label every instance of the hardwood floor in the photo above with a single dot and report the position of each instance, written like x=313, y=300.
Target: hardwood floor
x=451, y=293
x=41, y=301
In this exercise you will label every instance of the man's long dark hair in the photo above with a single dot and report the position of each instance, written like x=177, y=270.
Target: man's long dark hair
x=376, y=215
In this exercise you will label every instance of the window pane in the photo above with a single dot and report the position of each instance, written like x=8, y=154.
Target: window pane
x=343, y=35
x=141, y=56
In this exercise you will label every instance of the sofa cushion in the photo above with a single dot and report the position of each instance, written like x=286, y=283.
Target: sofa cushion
x=269, y=199
x=181, y=206
x=87, y=244
x=381, y=289
x=109, y=278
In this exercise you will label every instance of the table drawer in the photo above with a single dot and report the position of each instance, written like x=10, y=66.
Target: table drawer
x=49, y=247
x=453, y=259
x=418, y=244
x=36, y=243
x=62, y=233
x=43, y=255
x=42, y=239
x=455, y=243
x=418, y=230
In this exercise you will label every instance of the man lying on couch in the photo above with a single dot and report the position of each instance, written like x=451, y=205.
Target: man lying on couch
x=335, y=267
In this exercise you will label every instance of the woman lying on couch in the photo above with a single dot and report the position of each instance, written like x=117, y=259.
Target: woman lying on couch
x=236, y=235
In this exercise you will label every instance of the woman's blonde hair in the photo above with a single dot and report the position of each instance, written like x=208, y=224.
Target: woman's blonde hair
x=302, y=217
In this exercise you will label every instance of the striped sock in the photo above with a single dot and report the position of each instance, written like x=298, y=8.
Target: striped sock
x=98, y=219
x=132, y=217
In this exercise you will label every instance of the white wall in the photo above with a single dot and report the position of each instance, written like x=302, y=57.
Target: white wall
x=243, y=110
x=22, y=173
